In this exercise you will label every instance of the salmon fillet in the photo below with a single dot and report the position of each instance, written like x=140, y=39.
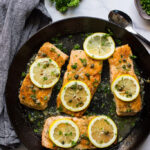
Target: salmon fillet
x=82, y=123
x=121, y=63
x=88, y=71
x=32, y=96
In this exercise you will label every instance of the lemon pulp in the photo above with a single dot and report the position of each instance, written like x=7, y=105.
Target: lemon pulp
x=75, y=96
x=99, y=46
x=44, y=73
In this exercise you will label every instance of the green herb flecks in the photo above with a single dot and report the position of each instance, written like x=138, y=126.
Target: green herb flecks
x=76, y=46
x=83, y=61
x=145, y=5
x=63, y=5
x=133, y=57
x=74, y=66
x=23, y=74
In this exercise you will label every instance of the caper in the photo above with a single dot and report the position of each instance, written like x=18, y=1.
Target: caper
x=92, y=65
x=76, y=76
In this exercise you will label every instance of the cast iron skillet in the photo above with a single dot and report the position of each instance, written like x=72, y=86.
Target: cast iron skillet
x=66, y=27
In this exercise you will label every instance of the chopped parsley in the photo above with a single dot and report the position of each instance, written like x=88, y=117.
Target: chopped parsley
x=60, y=109
x=46, y=65
x=118, y=41
x=133, y=57
x=23, y=74
x=109, y=31
x=44, y=55
x=73, y=143
x=83, y=136
x=63, y=5
x=53, y=49
x=76, y=46
x=74, y=86
x=45, y=98
x=83, y=61
x=146, y=6
x=45, y=78
x=55, y=39
x=119, y=61
x=60, y=133
x=74, y=66
x=60, y=46
x=70, y=36
x=95, y=83
x=33, y=97
x=36, y=131
x=80, y=103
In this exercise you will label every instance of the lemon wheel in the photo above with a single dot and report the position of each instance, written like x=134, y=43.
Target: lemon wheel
x=64, y=133
x=75, y=96
x=99, y=46
x=44, y=73
x=126, y=88
x=102, y=131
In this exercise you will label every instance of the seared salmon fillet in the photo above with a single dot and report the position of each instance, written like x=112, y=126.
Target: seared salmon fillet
x=121, y=63
x=85, y=69
x=32, y=96
x=82, y=123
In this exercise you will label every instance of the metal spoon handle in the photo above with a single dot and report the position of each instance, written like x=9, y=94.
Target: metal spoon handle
x=143, y=39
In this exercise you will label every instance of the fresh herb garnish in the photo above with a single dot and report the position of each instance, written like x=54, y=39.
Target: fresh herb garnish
x=60, y=109
x=74, y=66
x=145, y=5
x=44, y=78
x=133, y=57
x=63, y=5
x=76, y=46
x=73, y=143
x=45, y=98
x=83, y=61
x=44, y=55
x=53, y=49
x=23, y=74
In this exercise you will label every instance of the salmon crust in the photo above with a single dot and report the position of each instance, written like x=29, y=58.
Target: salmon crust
x=32, y=96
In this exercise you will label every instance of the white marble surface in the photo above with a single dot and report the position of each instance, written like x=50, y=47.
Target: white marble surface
x=100, y=9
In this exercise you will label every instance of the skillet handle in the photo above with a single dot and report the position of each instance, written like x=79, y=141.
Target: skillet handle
x=143, y=39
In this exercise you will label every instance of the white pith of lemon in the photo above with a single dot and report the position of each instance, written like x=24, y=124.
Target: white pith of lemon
x=64, y=133
x=75, y=96
x=102, y=131
x=99, y=46
x=44, y=73
x=126, y=88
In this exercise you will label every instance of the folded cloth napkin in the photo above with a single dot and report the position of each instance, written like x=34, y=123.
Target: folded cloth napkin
x=19, y=19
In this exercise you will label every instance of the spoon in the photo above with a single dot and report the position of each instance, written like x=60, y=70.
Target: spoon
x=122, y=19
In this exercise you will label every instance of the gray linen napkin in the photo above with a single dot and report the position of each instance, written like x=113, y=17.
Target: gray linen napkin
x=19, y=19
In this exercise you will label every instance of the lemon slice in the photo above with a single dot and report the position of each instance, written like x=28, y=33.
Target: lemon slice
x=64, y=133
x=99, y=46
x=44, y=73
x=75, y=96
x=102, y=131
x=126, y=88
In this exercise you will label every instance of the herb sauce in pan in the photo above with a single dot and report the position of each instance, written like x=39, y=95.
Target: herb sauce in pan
x=102, y=102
